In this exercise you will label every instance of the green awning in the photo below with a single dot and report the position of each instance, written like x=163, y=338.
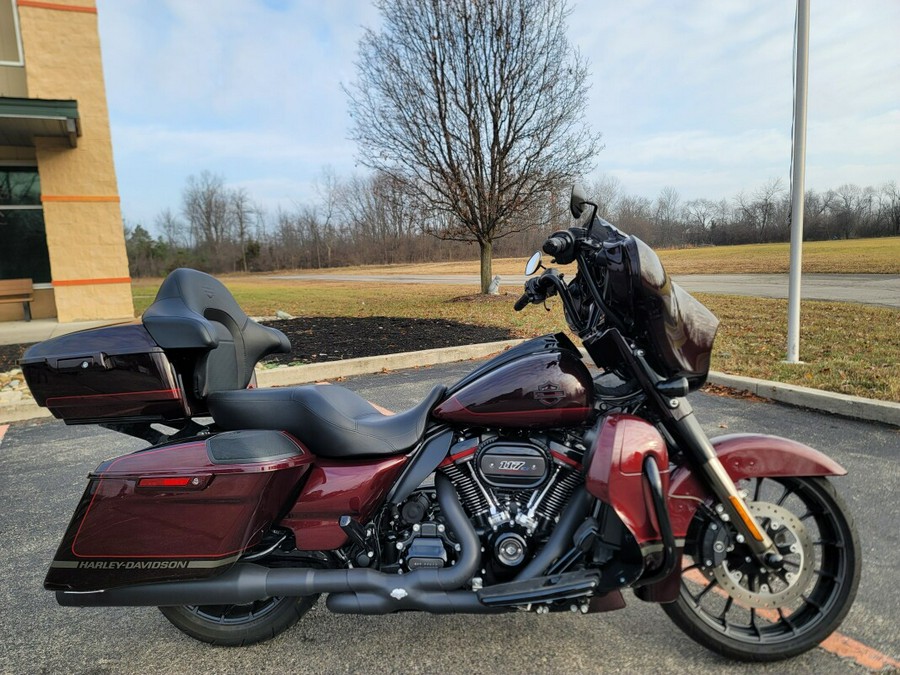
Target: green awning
x=24, y=119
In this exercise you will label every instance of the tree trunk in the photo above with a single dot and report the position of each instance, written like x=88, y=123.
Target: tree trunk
x=487, y=252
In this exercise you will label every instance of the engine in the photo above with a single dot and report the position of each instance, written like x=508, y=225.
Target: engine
x=513, y=489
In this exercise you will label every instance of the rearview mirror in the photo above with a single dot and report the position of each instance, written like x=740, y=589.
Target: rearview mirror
x=577, y=200
x=534, y=262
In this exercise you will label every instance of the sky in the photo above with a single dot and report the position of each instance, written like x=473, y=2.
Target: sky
x=691, y=94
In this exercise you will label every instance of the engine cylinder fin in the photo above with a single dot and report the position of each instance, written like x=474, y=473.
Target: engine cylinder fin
x=469, y=494
x=558, y=496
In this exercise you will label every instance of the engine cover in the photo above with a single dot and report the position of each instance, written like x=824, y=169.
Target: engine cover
x=512, y=464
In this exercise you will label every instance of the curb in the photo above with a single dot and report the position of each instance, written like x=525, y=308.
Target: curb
x=330, y=370
x=857, y=407
x=22, y=411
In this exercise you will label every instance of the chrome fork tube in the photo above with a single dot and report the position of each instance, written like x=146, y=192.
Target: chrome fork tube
x=731, y=505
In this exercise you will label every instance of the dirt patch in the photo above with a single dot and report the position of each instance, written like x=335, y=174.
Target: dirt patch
x=480, y=298
x=728, y=392
x=315, y=339
x=337, y=338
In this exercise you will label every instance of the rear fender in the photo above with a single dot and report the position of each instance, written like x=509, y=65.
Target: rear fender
x=745, y=456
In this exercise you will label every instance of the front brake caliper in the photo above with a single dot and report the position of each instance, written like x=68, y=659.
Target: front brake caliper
x=714, y=543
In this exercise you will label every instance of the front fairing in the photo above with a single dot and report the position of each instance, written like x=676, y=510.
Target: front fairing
x=675, y=330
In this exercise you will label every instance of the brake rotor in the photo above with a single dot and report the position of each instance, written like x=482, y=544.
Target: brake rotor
x=751, y=587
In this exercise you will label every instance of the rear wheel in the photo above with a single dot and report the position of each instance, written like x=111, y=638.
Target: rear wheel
x=239, y=625
x=729, y=604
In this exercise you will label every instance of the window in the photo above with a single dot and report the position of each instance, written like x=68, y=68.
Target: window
x=23, y=239
x=10, y=40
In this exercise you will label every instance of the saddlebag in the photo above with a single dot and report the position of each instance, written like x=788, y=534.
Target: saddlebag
x=111, y=374
x=179, y=511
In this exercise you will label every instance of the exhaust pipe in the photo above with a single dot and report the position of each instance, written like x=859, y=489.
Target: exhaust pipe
x=358, y=590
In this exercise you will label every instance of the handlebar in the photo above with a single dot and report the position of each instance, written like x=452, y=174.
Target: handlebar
x=554, y=245
x=537, y=289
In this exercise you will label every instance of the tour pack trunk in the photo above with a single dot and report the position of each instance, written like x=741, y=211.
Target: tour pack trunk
x=110, y=374
x=178, y=511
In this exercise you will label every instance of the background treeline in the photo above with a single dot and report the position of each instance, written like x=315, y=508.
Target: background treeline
x=371, y=220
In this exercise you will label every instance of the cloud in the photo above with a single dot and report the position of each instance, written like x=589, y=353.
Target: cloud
x=697, y=95
x=213, y=146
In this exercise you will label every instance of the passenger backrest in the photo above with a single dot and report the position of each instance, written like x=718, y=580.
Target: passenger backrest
x=194, y=311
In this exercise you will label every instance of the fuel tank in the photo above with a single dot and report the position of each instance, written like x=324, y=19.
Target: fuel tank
x=539, y=383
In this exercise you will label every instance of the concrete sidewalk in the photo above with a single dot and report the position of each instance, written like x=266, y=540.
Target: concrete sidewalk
x=38, y=330
x=840, y=404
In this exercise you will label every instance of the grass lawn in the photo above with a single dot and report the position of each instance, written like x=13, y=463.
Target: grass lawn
x=848, y=348
x=854, y=256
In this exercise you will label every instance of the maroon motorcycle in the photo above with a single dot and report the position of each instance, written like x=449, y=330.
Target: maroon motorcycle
x=529, y=485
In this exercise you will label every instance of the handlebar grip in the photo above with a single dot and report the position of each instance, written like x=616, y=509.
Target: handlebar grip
x=554, y=245
x=522, y=302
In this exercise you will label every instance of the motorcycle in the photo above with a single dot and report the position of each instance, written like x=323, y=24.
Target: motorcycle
x=529, y=485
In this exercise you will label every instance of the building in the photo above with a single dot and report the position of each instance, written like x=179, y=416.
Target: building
x=60, y=220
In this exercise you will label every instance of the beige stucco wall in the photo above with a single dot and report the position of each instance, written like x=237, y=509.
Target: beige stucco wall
x=12, y=82
x=82, y=216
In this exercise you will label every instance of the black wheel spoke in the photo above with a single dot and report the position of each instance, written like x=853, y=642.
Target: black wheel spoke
x=823, y=564
x=784, y=495
x=728, y=603
x=812, y=603
x=759, y=482
x=785, y=620
x=753, y=621
x=713, y=583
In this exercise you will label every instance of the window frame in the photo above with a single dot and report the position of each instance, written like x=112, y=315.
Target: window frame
x=27, y=164
x=15, y=17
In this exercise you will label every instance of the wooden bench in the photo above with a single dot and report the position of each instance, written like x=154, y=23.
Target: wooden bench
x=18, y=290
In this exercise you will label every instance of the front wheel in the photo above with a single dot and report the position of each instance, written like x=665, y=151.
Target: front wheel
x=729, y=604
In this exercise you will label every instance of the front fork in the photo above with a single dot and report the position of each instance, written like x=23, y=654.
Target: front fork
x=669, y=398
x=731, y=506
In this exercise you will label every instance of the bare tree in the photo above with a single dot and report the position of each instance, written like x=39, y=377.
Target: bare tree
x=890, y=206
x=474, y=106
x=606, y=193
x=700, y=214
x=666, y=216
x=760, y=213
x=634, y=215
x=243, y=215
x=205, y=205
x=848, y=209
x=175, y=231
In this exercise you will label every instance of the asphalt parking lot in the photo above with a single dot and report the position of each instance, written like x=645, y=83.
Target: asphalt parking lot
x=42, y=470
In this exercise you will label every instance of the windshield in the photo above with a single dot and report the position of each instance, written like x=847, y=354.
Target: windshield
x=677, y=330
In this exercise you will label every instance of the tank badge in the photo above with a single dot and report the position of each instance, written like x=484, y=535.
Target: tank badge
x=549, y=394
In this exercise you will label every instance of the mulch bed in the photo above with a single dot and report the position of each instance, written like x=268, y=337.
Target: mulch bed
x=316, y=339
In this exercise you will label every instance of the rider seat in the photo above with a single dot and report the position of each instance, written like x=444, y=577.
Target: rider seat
x=331, y=421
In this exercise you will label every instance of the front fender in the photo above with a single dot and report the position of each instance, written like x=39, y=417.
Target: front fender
x=745, y=456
